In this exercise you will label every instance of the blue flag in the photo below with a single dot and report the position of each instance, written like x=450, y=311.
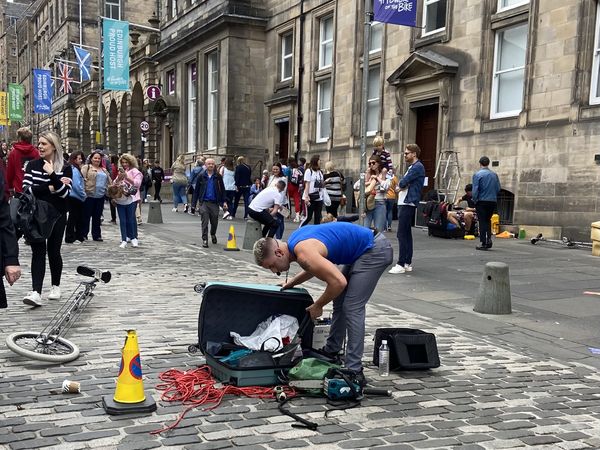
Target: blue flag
x=42, y=91
x=115, y=46
x=84, y=59
x=399, y=12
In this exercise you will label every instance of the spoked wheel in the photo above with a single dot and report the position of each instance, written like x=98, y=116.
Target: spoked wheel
x=48, y=348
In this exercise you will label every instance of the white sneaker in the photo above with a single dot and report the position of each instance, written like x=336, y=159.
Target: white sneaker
x=397, y=269
x=296, y=219
x=407, y=268
x=123, y=244
x=54, y=293
x=128, y=240
x=174, y=210
x=33, y=299
x=135, y=243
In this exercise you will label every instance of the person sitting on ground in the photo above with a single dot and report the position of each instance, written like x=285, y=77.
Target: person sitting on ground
x=265, y=206
x=464, y=217
x=328, y=217
x=255, y=189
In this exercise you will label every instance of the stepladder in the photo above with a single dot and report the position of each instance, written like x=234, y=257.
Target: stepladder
x=447, y=176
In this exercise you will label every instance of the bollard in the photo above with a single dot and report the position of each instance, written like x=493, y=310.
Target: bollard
x=494, y=291
x=154, y=212
x=252, y=234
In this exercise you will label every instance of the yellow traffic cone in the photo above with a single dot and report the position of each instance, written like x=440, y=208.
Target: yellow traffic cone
x=129, y=394
x=231, y=245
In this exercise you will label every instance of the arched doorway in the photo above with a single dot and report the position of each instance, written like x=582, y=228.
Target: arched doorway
x=123, y=126
x=137, y=116
x=111, y=128
x=86, y=130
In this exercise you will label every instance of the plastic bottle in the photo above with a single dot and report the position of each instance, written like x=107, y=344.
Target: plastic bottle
x=384, y=359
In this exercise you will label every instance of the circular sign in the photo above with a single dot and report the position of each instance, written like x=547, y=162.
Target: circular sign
x=144, y=126
x=153, y=92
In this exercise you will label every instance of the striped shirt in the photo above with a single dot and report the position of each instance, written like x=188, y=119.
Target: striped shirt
x=333, y=184
x=39, y=181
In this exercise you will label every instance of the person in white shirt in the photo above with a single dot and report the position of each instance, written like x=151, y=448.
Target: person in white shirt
x=265, y=206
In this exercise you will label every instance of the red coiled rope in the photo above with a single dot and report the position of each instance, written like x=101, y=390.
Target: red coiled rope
x=197, y=387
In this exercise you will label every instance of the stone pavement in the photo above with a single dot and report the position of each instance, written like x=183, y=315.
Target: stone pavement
x=486, y=394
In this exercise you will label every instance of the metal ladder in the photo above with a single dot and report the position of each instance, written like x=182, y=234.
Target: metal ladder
x=447, y=176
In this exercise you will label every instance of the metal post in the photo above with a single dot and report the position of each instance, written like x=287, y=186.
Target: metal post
x=363, y=109
x=100, y=64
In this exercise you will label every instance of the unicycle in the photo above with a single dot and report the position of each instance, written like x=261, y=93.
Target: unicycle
x=50, y=345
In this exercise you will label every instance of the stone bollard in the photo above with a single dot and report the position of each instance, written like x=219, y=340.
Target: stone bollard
x=154, y=212
x=252, y=234
x=494, y=291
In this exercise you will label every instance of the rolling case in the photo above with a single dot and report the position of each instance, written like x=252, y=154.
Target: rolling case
x=410, y=349
x=240, y=308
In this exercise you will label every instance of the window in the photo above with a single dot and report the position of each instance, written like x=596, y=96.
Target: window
x=173, y=8
x=376, y=37
x=323, y=110
x=113, y=9
x=595, y=88
x=13, y=21
x=509, y=71
x=287, y=56
x=212, y=96
x=508, y=4
x=373, y=101
x=191, y=110
x=434, y=16
x=51, y=17
x=171, y=82
x=13, y=51
x=13, y=79
x=326, y=42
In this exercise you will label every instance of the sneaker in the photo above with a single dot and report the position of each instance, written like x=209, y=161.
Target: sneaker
x=213, y=238
x=193, y=211
x=174, y=210
x=397, y=269
x=99, y=240
x=205, y=243
x=296, y=219
x=128, y=240
x=230, y=217
x=123, y=244
x=114, y=222
x=135, y=243
x=185, y=208
x=407, y=268
x=33, y=299
x=389, y=228
x=54, y=293
x=226, y=215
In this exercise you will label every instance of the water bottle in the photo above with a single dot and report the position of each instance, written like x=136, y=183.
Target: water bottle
x=384, y=359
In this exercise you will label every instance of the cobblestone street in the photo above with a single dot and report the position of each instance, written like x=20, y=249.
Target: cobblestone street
x=485, y=395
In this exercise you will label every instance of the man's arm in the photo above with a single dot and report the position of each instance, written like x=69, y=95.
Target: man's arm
x=415, y=172
x=475, y=192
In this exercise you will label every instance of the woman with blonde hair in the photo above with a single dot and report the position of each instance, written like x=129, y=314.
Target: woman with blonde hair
x=334, y=185
x=50, y=180
x=179, y=181
x=130, y=180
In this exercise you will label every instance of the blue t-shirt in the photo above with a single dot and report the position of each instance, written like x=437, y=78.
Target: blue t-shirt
x=345, y=242
x=101, y=184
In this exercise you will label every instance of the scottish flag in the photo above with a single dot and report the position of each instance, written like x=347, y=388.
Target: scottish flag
x=84, y=59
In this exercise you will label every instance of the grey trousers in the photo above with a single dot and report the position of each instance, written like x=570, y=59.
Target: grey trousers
x=209, y=212
x=349, y=309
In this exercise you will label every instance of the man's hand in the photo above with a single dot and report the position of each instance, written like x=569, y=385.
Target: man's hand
x=315, y=310
x=12, y=273
x=285, y=285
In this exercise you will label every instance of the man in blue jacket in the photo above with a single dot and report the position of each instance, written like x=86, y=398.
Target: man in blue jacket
x=211, y=193
x=486, y=188
x=409, y=194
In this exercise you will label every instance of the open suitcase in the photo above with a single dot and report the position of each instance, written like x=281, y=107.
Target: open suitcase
x=240, y=308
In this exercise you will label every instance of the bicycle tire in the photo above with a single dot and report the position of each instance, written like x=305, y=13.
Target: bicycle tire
x=25, y=344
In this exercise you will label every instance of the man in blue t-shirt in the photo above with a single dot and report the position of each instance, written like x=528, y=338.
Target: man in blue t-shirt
x=319, y=250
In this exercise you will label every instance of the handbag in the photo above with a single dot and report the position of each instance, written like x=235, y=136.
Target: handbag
x=129, y=189
x=314, y=197
x=326, y=199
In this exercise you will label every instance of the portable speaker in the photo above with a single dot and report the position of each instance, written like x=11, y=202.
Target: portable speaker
x=410, y=349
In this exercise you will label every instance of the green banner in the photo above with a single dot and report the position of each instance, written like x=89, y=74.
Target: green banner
x=15, y=102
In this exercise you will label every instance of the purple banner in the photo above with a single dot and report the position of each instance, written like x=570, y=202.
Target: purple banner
x=400, y=12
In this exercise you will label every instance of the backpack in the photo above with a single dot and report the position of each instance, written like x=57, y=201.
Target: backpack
x=147, y=181
x=295, y=177
x=33, y=217
x=436, y=213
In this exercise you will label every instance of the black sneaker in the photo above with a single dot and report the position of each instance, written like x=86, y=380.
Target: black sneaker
x=482, y=247
x=205, y=243
x=214, y=238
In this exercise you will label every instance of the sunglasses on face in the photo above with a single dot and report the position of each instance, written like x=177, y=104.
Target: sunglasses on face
x=372, y=162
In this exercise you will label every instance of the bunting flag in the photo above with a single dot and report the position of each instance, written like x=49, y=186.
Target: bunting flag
x=3, y=108
x=115, y=48
x=84, y=59
x=42, y=91
x=15, y=102
x=64, y=75
x=399, y=12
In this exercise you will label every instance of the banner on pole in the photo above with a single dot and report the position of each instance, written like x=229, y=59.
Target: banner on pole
x=42, y=91
x=84, y=60
x=399, y=12
x=116, y=54
x=3, y=108
x=15, y=101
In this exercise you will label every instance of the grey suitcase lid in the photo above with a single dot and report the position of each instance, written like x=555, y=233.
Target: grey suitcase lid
x=240, y=307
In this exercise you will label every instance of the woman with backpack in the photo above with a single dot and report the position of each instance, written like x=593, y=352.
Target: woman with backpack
x=294, y=184
x=74, y=229
x=96, y=180
x=314, y=185
x=50, y=180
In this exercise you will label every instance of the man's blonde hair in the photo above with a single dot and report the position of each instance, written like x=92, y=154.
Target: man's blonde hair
x=261, y=249
x=378, y=141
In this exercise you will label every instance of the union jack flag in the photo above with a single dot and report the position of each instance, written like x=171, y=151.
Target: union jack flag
x=65, y=78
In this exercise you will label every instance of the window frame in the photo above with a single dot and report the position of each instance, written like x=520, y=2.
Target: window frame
x=212, y=101
x=324, y=43
x=499, y=7
x=494, y=114
x=173, y=9
x=426, y=3
x=192, y=105
x=171, y=80
x=284, y=56
x=595, y=75
x=111, y=5
x=377, y=49
x=374, y=99
x=320, y=111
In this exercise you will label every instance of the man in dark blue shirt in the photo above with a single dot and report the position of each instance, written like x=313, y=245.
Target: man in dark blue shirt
x=486, y=187
x=211, y=192
x=243, y=182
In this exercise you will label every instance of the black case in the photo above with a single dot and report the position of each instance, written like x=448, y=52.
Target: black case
x=240, y=308
x=410, y=349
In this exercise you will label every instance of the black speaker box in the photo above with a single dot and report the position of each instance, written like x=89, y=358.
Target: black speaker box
x=410, y=349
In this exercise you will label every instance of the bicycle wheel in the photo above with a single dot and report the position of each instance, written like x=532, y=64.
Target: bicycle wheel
x=31, y=345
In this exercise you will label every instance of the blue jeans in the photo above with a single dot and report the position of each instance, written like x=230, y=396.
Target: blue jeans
x=127, y=221
x=241, y=192
x=281, y=227
x=376, y=217
x=179, y=194
x=389, y=209
x=406, y=215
